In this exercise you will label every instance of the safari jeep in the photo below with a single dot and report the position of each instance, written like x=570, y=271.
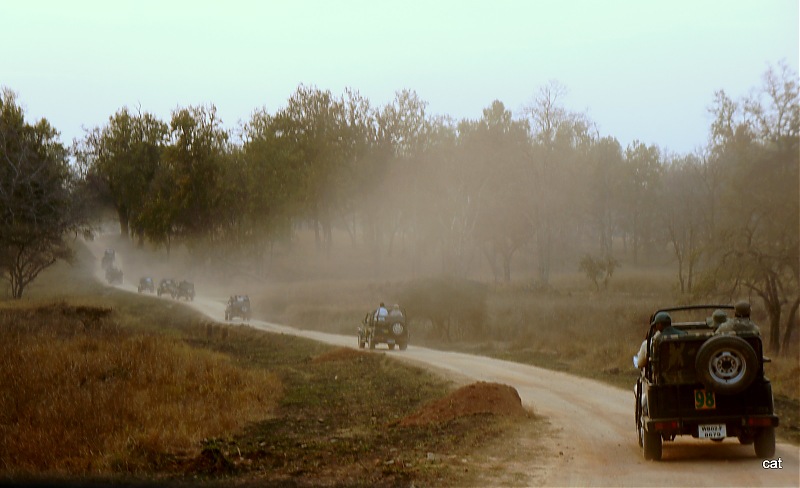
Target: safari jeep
x=704, y=385
x=391, y=330
x=113, y=275
x=167, y=286
x=108, y=259
x=185, y=290
x=238, y=306
x=146, y=284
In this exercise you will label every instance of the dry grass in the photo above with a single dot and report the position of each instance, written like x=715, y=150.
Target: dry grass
x=81, y=393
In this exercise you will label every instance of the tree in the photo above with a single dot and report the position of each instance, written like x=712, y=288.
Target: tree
x=121, y=160
x=38, y=202
x=598, y=269
x=494, y=149
x=605, y=203
x=313, y=124
x=560, y=140
x=757, y=239
x=409, y=144
x=190, y=176
x=642, y=177
x=682, y=209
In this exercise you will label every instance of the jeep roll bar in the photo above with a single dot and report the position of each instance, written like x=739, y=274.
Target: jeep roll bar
x=651, y=328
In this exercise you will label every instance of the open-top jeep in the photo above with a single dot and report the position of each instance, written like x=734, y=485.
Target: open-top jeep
x=704, y=384
x=238, y=306
x=167, y=286
x=185, y=290
x=146, y=284
x=108, y=259
x=113, y=275
x=391, y=329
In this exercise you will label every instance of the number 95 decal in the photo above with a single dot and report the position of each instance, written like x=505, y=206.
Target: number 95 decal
x=704, y=400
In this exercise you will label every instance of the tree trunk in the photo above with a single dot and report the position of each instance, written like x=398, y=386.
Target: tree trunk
x=122, y=215
x=772, y=304
x=491, y=258
x=791, y=322
x=507, y=256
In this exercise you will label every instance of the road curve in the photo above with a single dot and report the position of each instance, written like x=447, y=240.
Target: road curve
x=593, y=422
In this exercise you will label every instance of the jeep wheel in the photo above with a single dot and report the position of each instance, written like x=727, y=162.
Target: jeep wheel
x=391, y=347
x=361, y=343
x=371, y=342
x=764, y=443
x=726, y=364
x=403, y=346
x=651, y=444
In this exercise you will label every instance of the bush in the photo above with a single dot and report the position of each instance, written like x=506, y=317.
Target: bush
x=455, y=307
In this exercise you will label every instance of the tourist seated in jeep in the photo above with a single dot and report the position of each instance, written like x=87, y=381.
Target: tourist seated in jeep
x=717, y=318
x=702, y=384
x=740, y=323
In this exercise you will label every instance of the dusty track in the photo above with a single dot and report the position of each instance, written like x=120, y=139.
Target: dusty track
x=594, y=440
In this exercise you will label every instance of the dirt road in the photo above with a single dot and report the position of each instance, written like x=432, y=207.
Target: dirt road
x=594, y=440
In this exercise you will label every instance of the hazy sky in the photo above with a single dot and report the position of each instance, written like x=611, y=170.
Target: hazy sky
x=640, y=69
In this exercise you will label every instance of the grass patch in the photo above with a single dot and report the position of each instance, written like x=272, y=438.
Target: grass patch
x=81, y=393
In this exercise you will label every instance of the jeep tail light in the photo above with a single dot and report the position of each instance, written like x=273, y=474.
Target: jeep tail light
x=662, y=426
x=759, y=422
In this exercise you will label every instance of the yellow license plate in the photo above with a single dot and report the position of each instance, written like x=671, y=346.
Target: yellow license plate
x=704, y=400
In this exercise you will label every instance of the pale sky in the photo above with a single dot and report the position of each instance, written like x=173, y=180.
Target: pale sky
x=642, y=70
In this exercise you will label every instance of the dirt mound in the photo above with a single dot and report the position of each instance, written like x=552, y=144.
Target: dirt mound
x=340, y=354
x=477, y=398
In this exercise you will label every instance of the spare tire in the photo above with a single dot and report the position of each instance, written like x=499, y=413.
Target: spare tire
x=727, y=364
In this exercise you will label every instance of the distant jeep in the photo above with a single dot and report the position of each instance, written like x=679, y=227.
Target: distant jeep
x=185, y=290
x=238, y=306
x=108, y=259
x=113, y=275
x=704, y=381
x=391, y=330
x=167, y=286
x=146, y=284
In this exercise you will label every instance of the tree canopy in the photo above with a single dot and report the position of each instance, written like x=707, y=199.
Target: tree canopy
x=39, y=205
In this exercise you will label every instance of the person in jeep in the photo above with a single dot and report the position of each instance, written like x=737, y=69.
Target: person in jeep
x=663, y=325
x=741, y=321
x=717, y=318
x=381, y=313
